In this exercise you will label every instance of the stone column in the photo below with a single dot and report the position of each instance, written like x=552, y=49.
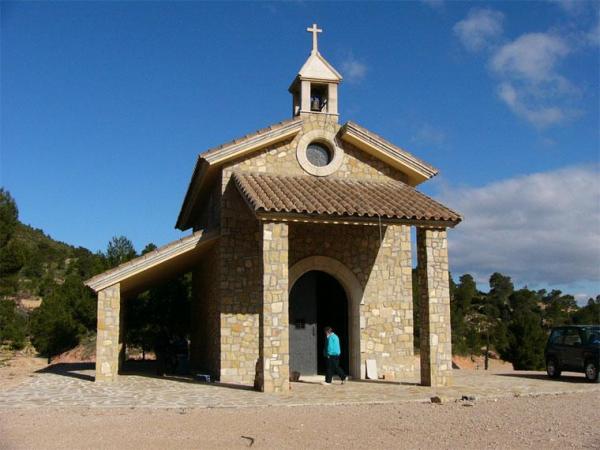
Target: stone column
x=274, y=354
x=434, y=289
x=108, y=348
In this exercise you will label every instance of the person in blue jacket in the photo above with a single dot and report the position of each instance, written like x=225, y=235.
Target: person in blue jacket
x=332, y=353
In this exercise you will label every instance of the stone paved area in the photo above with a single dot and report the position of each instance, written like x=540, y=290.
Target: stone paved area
x=73, y=387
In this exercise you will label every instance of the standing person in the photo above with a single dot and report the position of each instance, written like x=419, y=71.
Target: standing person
x=332, y=352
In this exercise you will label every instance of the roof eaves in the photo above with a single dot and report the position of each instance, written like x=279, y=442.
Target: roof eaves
x=252, y=141
x=356, y=131
x=150, y=259
x=222, y=153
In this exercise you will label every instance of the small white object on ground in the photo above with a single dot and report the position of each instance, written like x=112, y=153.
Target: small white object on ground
x=371, y=369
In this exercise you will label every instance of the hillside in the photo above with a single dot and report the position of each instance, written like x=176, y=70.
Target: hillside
x=45, y=261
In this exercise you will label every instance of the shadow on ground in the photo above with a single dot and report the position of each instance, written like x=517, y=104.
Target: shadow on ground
x=131, y=367
x=572, y=378
x=70, y=370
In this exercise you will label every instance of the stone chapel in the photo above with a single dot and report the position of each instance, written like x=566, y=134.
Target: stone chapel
x=302, y=224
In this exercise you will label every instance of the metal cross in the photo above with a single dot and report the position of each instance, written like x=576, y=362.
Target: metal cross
x=314, y=30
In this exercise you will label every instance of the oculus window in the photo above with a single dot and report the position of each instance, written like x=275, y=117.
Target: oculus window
x=318, y=154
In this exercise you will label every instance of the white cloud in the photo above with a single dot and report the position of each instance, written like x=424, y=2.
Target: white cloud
x=532, y=56
x=530, y=82
x=528, y=68
x=353, y=70
x=523, y=105
x=427, y=134
x=480, y=28
x=540, y=229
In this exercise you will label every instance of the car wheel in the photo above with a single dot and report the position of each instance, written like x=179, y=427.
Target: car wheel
x=591, y=372
x=552, y=368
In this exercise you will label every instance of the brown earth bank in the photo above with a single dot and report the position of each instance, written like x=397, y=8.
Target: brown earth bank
x=473, y=362
x=551, y=421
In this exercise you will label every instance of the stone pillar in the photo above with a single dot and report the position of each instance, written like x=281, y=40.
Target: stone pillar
x=274, y=354
x=434, y=289
x=108, y=348
x=305, y=96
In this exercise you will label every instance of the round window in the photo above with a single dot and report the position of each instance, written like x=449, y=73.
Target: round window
x=318, y=154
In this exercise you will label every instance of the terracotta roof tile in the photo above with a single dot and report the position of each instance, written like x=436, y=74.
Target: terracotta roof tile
x=338, y=197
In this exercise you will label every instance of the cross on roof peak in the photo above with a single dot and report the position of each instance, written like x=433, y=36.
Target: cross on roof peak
x=314, y=30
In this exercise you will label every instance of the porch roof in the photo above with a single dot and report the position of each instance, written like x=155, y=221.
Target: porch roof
x=341, y=199
x=144, y=271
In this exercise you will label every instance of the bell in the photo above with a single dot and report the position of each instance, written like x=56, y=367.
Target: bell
x=315, y=104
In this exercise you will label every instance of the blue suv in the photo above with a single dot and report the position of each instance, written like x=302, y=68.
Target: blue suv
x=574, y=348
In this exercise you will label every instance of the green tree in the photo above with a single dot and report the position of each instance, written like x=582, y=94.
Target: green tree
x=526, y=341
x=9, y=217
x=119, y=250
x=149, y=248
x=163, y=310
x=498, y=307
x=465, y=292
x=13, y=325
x=67, y=313
x=558, y=308
x=589, y=314
x=12, y=253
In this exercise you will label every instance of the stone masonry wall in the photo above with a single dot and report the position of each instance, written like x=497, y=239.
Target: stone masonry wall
x=240, y=258
x=205, y=324
x=384, y=272
x=434, y=288
x=108, y=348
x=281, y=158
x=240, y=280
x=273, y=367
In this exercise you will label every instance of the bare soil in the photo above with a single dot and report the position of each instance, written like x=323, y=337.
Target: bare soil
x=558, y=421
x=548, y=421
x=478, y=363
x=16, y=366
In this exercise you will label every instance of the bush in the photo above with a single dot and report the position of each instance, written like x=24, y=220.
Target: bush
x=526, y=341
x=13, y=325
x=67, y=313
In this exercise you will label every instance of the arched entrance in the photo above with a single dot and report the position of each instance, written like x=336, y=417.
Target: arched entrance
x=316, y=300
x=354, y=297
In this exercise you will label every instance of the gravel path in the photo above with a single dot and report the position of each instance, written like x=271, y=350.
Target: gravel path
x=547, y=421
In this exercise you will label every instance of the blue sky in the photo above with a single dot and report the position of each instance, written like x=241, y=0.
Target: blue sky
x=105, y=106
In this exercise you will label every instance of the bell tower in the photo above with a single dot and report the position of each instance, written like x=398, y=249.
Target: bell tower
x=315, y=88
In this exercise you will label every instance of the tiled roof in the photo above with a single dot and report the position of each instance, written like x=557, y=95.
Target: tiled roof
x=336, y=197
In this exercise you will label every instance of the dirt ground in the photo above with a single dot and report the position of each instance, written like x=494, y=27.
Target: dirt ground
x=15, y=368
x=550, y=421
x=558, y=421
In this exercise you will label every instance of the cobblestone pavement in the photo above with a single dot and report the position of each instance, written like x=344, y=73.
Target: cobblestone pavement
x=72, y=386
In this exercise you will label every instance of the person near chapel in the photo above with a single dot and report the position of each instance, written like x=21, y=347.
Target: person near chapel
x=332, y=353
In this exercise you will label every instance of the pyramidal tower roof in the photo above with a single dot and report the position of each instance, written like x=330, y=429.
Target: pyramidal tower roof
x=316, y=66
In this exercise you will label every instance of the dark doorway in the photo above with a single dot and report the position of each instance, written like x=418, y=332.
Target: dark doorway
x=316, y=300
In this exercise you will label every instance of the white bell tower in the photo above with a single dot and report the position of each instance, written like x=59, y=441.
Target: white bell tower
x=315, y=88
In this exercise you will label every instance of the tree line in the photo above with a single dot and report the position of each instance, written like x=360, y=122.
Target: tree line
x=34, y=265
x=512, y=322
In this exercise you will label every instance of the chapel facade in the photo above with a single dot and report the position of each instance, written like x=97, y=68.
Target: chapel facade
x=301, y=225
